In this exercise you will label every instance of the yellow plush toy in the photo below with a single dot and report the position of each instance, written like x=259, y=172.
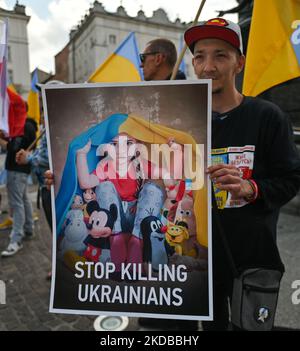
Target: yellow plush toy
x=176, y=235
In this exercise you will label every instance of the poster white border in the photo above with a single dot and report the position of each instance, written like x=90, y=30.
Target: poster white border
x=54, y=242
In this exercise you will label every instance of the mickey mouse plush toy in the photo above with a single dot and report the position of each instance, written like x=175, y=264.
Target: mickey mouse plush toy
x=100, y=225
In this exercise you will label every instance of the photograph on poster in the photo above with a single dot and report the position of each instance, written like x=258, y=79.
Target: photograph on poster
x=131, y=198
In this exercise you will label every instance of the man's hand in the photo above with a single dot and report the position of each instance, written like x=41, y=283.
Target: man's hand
x=229, y=178
x=49, y=179
x=3, y=141
x=21, y=157
x=2, y=134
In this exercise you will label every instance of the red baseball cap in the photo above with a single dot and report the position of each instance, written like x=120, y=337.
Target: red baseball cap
x=217, y=28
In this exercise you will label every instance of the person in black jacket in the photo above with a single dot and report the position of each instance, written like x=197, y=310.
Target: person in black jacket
x=255, y=164
x=159, y=59
x=17, y=176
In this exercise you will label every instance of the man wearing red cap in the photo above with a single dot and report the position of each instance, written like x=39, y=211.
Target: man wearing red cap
x=255, y=164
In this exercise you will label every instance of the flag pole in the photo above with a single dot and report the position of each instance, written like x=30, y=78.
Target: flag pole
x=32, y=145
x=175, y=70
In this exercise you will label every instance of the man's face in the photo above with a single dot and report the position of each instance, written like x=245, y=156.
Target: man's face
x=149, y=64
x=217, y=60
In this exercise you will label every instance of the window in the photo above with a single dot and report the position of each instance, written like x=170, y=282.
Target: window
x=112, y=39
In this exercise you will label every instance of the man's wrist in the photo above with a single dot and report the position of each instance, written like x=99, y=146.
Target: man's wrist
x=252, y=190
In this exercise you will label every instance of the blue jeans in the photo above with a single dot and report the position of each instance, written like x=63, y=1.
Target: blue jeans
x=19, y=204
x=149, y=202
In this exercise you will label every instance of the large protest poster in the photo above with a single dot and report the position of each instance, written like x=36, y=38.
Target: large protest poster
x=131, y=199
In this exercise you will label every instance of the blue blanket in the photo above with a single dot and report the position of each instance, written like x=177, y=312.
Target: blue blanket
x=102, y=133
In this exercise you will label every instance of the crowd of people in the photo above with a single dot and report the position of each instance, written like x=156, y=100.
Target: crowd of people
x=237, y=121
x=26, y=159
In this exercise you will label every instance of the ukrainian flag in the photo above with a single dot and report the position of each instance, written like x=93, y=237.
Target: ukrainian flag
x=12, y=88
x=33, y=99
x=121, y=66
x=271, y=57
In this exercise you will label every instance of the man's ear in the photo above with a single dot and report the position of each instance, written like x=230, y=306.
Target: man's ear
x=160, y=58
x=241, y=63
x=193, y=63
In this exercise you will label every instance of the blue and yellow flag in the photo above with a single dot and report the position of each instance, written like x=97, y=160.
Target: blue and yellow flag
x=271, y=55
x=121, y=66
x=33, y=99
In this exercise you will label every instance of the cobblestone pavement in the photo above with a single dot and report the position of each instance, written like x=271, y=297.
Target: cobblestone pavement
x=28, y=291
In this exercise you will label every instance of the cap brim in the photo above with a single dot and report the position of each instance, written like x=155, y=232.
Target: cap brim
x=194, y=34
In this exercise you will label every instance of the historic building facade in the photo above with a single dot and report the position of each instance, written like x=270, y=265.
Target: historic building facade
x=100, y=32
x=18, y=50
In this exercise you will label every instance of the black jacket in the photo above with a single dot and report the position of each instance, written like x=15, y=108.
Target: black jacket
x=18, y=143
x=179, y=76
x=251, y=229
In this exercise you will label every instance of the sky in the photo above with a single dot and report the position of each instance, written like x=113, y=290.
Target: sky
x=52, y=20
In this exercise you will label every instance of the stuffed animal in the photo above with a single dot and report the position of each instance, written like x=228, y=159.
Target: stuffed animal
x=77, y=202
x=74, y=235
x=155, y=249
x=174, y=194
x=176, y=235
x=185, y=213
x=101, y=223
x=74, y=212
x=88, y=196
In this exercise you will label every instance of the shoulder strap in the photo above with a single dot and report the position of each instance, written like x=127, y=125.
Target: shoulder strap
x=221, y=235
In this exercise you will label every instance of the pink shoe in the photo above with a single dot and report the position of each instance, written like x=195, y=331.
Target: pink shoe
x=119, y=249
x=135, y=250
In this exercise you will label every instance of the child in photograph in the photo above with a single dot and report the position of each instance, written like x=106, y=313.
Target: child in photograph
x=121, y=179
x=110, y=159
